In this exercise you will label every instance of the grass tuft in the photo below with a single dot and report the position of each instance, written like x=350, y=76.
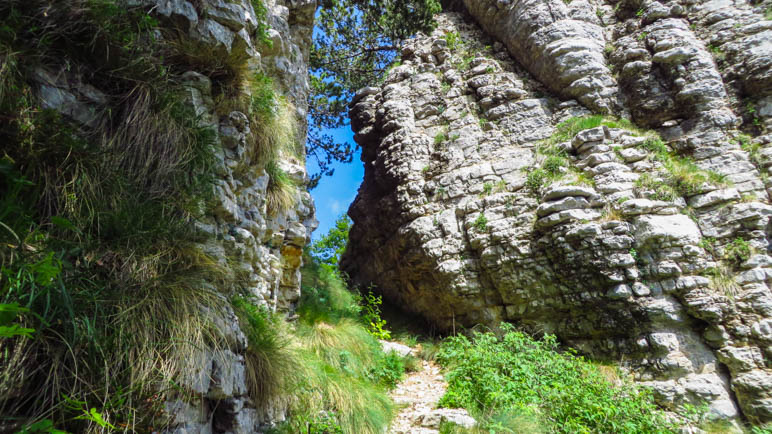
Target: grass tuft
x=282, y=193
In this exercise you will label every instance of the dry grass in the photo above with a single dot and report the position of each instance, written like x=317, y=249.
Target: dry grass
x=282, y=192
x=723, y=279
x=610, y=213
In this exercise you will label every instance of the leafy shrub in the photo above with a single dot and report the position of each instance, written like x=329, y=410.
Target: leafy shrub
x=371, y=314
x=480, y=223
x=535, y=180
x=453, y=39
x=517, y=375
x=738, y=251
x=389, y=370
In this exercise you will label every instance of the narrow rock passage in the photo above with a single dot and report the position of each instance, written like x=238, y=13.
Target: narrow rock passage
x=417, y=395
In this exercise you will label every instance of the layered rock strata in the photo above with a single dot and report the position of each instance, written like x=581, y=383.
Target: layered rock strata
x=452, y=222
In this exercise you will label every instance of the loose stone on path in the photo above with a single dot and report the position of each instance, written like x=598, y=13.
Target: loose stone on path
x=418, y=394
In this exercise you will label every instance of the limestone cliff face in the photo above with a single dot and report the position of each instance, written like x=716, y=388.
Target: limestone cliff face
x=262, y=248
x=454, y=221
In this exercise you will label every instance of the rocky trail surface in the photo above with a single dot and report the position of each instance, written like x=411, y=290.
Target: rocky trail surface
x=418, y=394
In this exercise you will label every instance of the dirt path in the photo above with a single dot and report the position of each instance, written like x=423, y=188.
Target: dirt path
x=417, y=395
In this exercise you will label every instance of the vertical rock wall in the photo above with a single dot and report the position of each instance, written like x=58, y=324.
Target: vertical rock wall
x=260, y=250
x=263, y=249
x=450, y=222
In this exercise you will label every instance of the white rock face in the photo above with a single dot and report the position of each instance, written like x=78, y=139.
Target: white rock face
x=449, y=223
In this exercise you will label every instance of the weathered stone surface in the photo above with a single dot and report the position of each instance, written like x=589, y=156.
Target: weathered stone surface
x=458, y=232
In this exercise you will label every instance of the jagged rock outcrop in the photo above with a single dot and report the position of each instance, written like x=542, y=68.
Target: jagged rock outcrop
x=473, y=211
x=261, y=247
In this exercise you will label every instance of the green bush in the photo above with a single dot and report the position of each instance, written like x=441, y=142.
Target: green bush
x=480, y=223
x=453, y=39
x=371, y=314
x=737, y=251
x=389, y=370
x=519, y=376
x=535, y=180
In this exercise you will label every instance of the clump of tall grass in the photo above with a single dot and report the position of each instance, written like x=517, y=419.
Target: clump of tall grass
x=97, y=246
x=282, y=192
x=566, y=130
x=344, y=374
x=682, y=177
x=272, y=361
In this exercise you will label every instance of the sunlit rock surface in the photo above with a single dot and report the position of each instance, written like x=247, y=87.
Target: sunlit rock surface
x=445, y=225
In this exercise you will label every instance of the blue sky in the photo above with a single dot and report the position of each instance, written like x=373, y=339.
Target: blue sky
x=334, y=193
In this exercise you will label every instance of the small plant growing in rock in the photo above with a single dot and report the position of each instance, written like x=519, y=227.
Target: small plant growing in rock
x=642, y=36
x=481, y=223
x=751, y=110
x=717, y=52
x=684, y=177
x=501, y=185
x=657, y=189
x=690, y=212
x=487, y=188
x=581, y=178
x=708, y=243
x=466, y=61
x=656, y=146
x=737, y=252
x=722, y=279
x=439, y=138
x=441, y=191
x=535, y=180
x=453, y=39
x=639, y=12
x=554, y=164
x=610, y=213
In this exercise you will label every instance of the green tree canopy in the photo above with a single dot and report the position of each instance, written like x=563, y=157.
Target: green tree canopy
x=330, y=247
x=354, y=42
